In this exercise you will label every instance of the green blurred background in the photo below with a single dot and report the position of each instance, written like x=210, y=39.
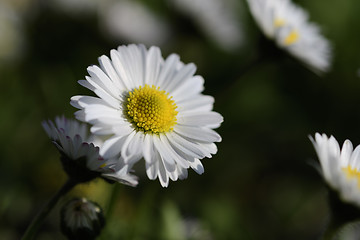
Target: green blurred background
x=260, y=185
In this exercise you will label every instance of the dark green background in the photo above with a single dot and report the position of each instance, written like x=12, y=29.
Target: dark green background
x=260, y=185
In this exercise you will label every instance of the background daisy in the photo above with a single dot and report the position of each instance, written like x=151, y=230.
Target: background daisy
x=340, y=167
x=80, y=156
x=153, y=108
x=288, y=25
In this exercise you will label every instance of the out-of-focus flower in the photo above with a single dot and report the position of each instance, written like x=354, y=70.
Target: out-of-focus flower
x=217, y=18
x=76, y=6
x=195, y=229
x=81, y=219
x=153, y=108
x=11, y=34
x=80, y=156
x=133, y=21
x=340, y=167
x=350, y=231
x=288, y=25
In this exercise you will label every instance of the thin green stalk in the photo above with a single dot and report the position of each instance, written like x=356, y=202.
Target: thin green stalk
x=112, y=199
x=40, y=218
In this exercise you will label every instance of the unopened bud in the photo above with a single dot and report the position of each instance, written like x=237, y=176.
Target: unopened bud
x=81, y=219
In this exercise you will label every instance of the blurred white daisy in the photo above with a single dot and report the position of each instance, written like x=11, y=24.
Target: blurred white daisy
x=217, y=18
x=153, y=108
x=288, y=25
x=12, y=39
x=340, y=167
x=133, y=21
x=80, y=156
x=81, y=219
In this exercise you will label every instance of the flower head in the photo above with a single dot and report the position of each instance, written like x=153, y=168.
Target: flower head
x=288, y=25
x=340, y=167
x=216, y=18
x=153, y=109
x=80, y=155
x=81, y=219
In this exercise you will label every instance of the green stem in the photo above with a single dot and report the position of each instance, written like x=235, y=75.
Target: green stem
x=40, y=218
x=112, y=200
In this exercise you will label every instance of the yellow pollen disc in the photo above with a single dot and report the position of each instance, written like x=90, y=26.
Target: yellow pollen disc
x=352, y=173
x=291, y=38
x=278, y=22
x=151, y=110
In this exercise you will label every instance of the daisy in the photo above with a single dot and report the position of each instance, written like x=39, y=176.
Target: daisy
x=340, y=167
x=80, y=156
x=288, y=25
x=218, y=19
x=153, y=109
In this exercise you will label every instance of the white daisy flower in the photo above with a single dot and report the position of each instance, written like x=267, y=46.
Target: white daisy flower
x=79, y=155
x=288, y=25
x=153, y=108
x=217, y=18
x=340, y=167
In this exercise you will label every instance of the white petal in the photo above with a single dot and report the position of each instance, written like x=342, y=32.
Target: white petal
x=183, y=173
x=210, y=147
x=195, y=147
x=168, y=70
x=127, y=179
x=199, y=103
x=346, y=152
x=180, y=77
x=121, y=70
x=173, y=175
x=132, y=58
x=180, y=144
x=86, y=84
x=162, y=174
x=153, y=61
x=178, y=159
x=108, y=98
x=122, y=129
x=112, y=146
x=152, y=169
x=109, y=69
x=197, y=166
x=100, y=80
x=355, y=158
x=199, y=118
x=84, y=101
x=165, y=154
x=135, y=148
x=197, y=133
x=190, y=87
x=101, y=130
x=148, y=149
x=80, y=115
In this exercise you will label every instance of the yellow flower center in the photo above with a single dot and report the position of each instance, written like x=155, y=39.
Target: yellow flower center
x=151, y=110
x=291, y=38
x=279, y=22
x=352, y=173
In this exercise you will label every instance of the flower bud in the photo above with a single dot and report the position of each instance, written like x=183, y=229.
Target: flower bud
x=81, y=219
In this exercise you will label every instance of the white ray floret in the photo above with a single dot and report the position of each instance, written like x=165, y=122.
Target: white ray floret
x=73, y=141
x=288, y=25
x=152, y=108
x=340, y=167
